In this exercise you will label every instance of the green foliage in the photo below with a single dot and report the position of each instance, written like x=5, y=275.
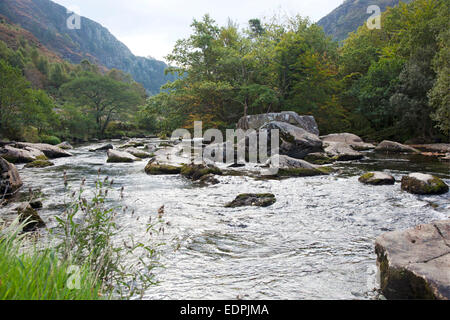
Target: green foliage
x=50, y=140
x=37, y=273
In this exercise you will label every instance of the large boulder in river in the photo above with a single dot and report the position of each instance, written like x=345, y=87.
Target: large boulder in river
x=377, y=179
x=155, y=168
x=295, y=142
x=115, y=156
x=9, y=178
x=419, y=183
x=395, y=147
x=349, y=138
x=22, y=155
x=290, y=167
x=415, y=264
x=253, y=199
x=196, y=172
x=39, y=164
x=341, y=151
x=50, y=151
x=307, y=123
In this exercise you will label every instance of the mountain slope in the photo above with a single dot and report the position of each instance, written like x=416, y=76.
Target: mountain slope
x=47, y=21
x=350, y=15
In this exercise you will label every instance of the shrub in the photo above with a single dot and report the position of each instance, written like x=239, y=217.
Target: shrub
x=50, y=140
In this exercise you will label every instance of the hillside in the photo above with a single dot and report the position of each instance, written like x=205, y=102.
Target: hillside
x=350, y=15
x=46, y=20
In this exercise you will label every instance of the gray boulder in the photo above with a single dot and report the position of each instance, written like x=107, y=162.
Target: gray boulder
x=50, y=151
x=307, y=123
x=22, y=155
x=395, y=147
x=424, y=184
x=349, y=138
x=341, y=151
x=415, y=264
x=115, y=156
x=377, y=179
x=295, y=142
x=10, y=180
x=290, y=167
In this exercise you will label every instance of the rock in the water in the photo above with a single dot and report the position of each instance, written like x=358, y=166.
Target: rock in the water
x=394, y=147
x=250, y=199
x=39, y=164
x=10, y=180
x=36, y=204
x=351, y=139
x=132, y=144
x=154, y=168
x=115, y=156
x=419, y=183
x=341, y=151
x=290, y=167
x=196, y=172
x=27, y=213
x=415, y=264
x=446, y=158
x=377, y=179
x=23, y=155
x=138, y=153
x=295, y=142
x=319, y=158
x=65, y=146
x=209, y=179
x=307, y=123
x=103, y=148
x=50, y=151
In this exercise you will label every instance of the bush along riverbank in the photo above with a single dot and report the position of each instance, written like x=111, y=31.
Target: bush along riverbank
x=86, y=263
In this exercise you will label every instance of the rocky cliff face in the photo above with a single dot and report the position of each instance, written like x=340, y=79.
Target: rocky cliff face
x=47, y=21
x=350, y=15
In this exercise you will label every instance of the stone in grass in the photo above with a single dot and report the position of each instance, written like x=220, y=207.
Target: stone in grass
x=415, y=264
x=377, y=179
x=251, y=199
x=423, y=184
x=39, y=164
x=154, y=168
x=30, y=215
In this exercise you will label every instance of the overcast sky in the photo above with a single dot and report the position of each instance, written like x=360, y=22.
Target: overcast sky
x=151, y=27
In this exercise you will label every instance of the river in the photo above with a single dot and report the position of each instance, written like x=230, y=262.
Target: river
x=316, y=242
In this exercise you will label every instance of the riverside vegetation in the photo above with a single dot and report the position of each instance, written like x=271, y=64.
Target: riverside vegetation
x=86, y=263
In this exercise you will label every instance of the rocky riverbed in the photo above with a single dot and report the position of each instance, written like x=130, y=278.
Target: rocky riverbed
x=308, y=232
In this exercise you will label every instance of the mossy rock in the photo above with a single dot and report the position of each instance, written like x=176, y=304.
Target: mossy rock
x=39, y=164
x=424, y=184
x=42, y=157
x=377, y=179
x=161, y=169
x=196, y=172
x=319, y=159
x=304, y=172
x=253, y=199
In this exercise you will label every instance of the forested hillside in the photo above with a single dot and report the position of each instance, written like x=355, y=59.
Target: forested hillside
x=350, y=15
x=47, y=21
x=390, y=83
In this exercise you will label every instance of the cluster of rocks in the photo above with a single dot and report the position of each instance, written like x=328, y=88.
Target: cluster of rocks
x=128, y=152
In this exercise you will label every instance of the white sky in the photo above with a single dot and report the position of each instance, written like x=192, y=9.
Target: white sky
x=151, y=27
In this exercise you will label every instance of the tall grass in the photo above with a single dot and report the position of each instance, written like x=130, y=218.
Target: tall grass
x=30, y=273
x=85, y=244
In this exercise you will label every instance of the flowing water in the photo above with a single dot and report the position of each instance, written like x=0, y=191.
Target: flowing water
x=316, y=242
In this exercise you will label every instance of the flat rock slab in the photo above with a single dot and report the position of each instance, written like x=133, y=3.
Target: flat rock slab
x=415, y=264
